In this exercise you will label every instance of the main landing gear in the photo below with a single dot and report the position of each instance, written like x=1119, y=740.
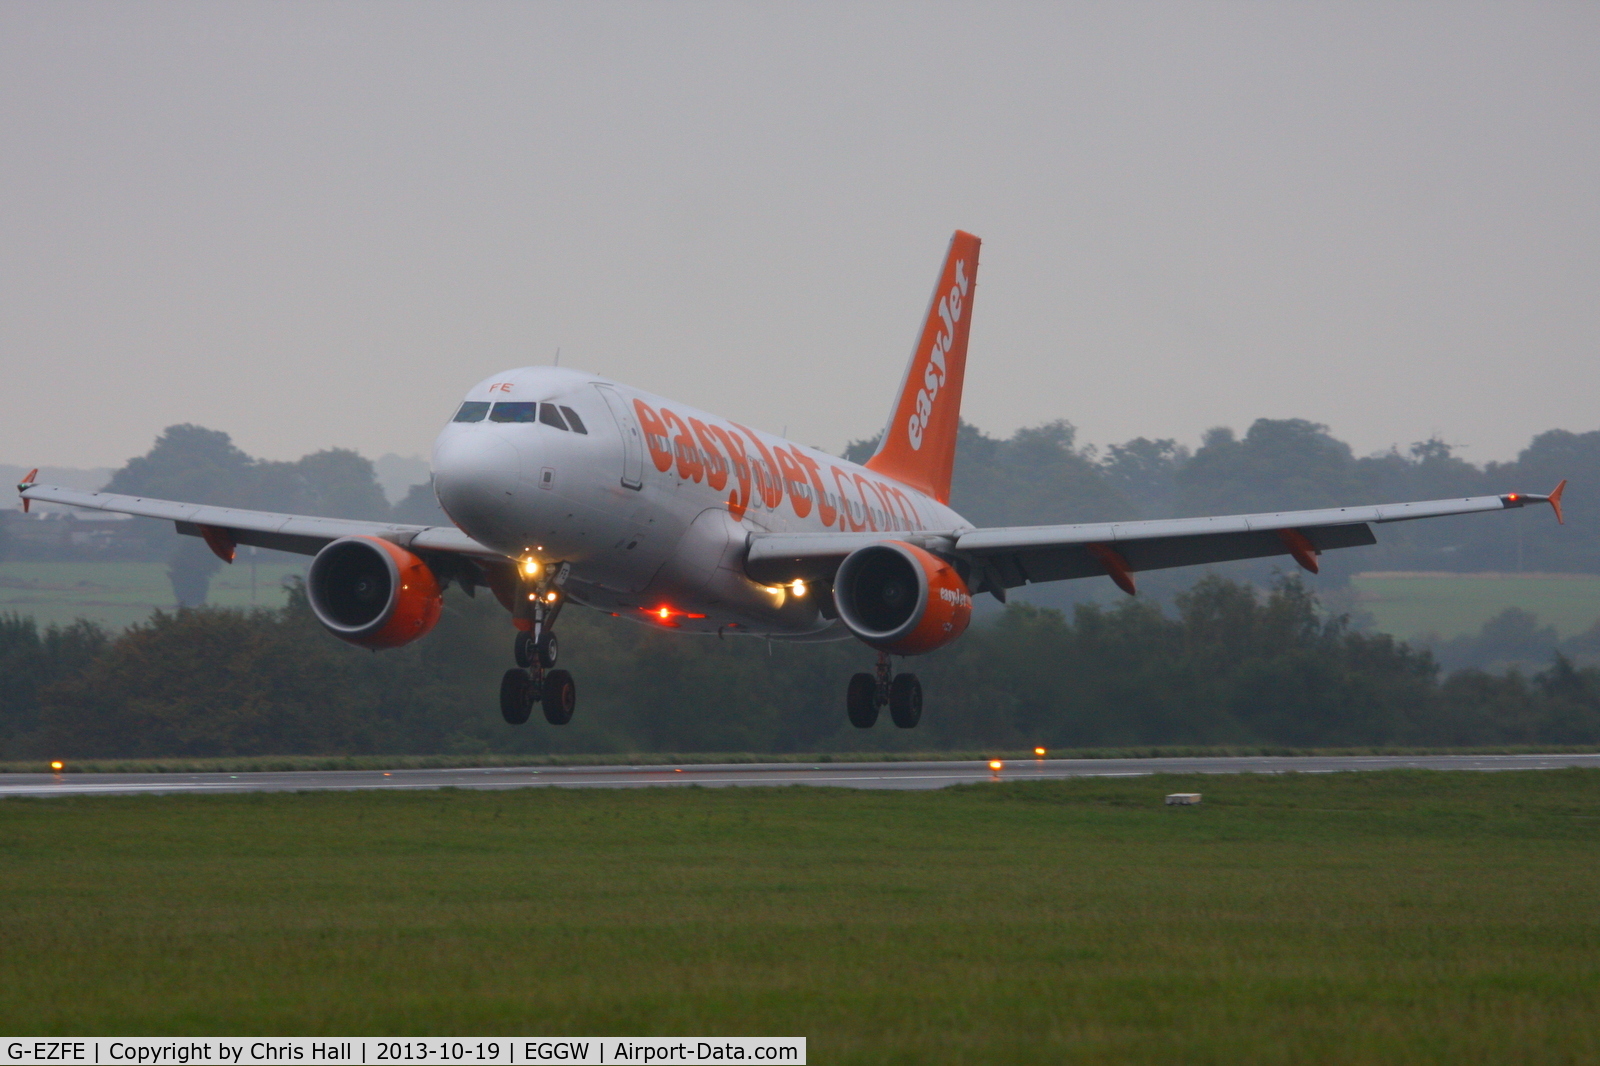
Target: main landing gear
x=534, y=679
x=869, y=692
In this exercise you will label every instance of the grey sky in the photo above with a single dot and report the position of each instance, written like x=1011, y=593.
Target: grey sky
x=317, y=224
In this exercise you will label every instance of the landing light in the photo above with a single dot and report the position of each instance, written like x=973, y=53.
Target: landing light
x=799, y=587
x=664, y=613
x=551, y=597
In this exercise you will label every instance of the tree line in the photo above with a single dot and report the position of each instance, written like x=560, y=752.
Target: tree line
x=1227, y=663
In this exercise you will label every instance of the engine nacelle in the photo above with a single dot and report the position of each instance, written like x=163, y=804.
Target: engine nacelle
x=373, y=593
x=901, y=599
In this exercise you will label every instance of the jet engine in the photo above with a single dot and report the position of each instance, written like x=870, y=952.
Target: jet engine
x=372, y=593
x=901, y=599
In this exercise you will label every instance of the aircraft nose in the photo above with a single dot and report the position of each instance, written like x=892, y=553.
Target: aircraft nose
x=475, y=477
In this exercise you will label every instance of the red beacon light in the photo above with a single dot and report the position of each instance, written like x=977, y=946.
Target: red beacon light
x=665, y=614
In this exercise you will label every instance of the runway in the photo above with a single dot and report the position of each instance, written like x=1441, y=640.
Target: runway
x=901, y=775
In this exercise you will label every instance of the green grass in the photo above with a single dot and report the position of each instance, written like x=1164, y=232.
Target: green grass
x=1388, y=917
x=117, y=595
x=1455, y=605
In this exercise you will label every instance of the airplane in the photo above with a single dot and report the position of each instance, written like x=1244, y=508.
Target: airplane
x=565, y=487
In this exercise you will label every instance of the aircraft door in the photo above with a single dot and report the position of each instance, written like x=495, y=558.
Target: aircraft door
x=632, y=443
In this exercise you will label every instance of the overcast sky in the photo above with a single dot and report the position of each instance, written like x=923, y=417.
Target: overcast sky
x=317, y=225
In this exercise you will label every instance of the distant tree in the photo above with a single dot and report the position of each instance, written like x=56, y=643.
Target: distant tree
x=1279, y=465
x=420, y=507
x=194, y=464
x=1513, y=637
x=339, y=483
x=1145, y=473
x=189, y=462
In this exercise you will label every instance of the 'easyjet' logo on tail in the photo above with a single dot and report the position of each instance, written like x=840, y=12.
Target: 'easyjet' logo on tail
x=950, y=306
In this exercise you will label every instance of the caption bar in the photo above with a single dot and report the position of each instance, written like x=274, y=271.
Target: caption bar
x=387, y=1051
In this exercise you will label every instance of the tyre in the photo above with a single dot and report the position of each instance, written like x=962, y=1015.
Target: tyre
x=516, y=696
x=905, y=701
x=548, y=650
x=862, y=701
x=524, y=649
x=560, y=697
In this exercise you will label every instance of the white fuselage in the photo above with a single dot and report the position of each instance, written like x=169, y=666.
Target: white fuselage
x=652, y=506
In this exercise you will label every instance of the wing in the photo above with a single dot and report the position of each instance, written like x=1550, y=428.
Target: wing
x=452, y=553
x=1005, y=557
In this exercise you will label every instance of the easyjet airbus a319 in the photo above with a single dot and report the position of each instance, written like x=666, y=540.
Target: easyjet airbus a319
x=568, y=488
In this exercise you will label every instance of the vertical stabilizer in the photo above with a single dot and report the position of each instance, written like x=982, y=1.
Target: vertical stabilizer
x=918, y=447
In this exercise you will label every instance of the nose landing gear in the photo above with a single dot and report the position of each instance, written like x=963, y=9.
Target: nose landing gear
x=534, y=679
x=869, y=692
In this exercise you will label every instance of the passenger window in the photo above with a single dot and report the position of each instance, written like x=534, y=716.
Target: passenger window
x=517, y=411
x=550, y=416
x=574, y=421
x=471, y=411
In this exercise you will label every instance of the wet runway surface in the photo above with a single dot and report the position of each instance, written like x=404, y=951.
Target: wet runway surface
x=905, y=775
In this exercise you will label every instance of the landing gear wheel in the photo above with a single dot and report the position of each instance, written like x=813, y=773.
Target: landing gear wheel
x=548, y=650
x=905, y=701
x=516, y=696
x=560, y=697
x=524, y=649
x=862, y=701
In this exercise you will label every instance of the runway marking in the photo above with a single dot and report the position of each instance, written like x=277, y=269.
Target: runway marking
x=907, y=775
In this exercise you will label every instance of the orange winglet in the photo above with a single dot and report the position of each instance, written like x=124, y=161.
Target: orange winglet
x=1555, y=500
x=1304, y=552
x=25, y=482
x=220, y=541
x=1116, y=566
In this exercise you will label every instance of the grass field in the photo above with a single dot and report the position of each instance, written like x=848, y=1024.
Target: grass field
x=119, y=594
x=1411, y=605
x=1387, y=917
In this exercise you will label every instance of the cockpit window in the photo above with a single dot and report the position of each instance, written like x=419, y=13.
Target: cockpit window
x=550, y=416
x=471, y=411
x=514, y=411
x=574, y=421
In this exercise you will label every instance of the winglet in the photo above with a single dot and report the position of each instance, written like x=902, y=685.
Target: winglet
x=1555, y=500
x=22, y=486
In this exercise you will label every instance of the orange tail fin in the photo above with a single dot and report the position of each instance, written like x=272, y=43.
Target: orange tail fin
x=918, y=447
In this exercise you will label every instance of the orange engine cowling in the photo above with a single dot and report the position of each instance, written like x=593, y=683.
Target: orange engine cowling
x=901, y=599
x=373, y=593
